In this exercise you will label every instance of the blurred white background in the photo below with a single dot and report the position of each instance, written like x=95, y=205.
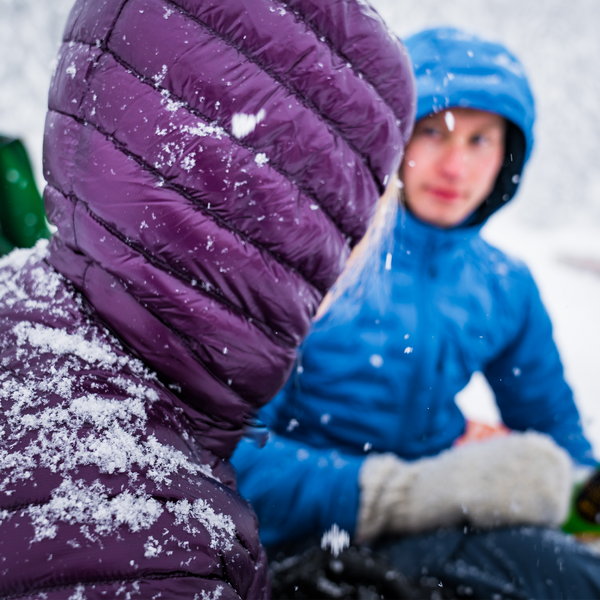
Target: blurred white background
x=553, y=224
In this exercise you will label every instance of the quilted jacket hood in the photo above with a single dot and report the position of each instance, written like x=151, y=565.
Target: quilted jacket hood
x=209, y=166
x=456, y=69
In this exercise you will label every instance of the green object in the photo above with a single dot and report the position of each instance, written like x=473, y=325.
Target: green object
x=584, y=512
x=22, y=216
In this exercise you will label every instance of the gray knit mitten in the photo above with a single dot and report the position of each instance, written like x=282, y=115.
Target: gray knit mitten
x=524, y=478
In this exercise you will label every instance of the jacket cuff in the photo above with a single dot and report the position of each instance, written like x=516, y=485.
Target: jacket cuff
x=344, y=500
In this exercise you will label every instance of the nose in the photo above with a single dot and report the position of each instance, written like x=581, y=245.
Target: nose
x=453, y=162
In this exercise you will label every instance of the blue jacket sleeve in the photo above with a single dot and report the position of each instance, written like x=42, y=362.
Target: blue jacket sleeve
x=297, y=490
x=528, y=381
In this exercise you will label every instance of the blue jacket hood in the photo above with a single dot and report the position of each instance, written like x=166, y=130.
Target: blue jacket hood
x=457, y=69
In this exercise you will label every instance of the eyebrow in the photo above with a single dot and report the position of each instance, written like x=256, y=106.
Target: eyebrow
x=432, y=120
x=501, y=124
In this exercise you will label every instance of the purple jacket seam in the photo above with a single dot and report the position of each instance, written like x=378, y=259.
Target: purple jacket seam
x=185, y=341
x=277, y=168
x=304, y=99
x=325, y=39
x=160, y=576
x=183, y=338
x=159, y=264
x=112, y=27
x=180, y=190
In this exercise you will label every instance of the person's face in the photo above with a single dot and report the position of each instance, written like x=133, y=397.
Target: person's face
x=451, y=164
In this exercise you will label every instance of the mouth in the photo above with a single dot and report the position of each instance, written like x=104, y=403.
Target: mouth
x=444, y=194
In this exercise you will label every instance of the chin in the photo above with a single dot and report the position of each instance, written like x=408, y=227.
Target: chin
x=442, y=220
x=443, y=215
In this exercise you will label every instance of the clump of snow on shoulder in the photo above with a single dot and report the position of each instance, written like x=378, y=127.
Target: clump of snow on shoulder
x=17, y=259
x=75, y=502
x=243, y=124
x=261, y=159
x=159, y=77
x=79, y=593
x=214, y=595
x=219, y=526
x=47, y=284
x=152, y=548
x=58, y=342
x=135, y=389
x=80, y=401
x=91, y=429
x=336, y=539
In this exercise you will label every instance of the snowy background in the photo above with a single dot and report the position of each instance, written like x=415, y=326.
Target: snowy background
x=554, y=224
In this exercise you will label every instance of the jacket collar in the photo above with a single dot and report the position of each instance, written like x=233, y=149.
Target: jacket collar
x=417, y=237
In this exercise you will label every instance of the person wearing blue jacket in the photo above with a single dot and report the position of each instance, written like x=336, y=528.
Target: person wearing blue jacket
x=364, y=433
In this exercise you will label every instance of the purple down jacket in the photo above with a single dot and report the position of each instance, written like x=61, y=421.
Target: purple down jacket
x=209, y=166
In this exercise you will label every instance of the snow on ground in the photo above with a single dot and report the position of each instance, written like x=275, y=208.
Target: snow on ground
x=554, y=225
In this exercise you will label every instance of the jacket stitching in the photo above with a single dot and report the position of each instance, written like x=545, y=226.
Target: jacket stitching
x=163, y=266
x=184, y=338
x=337, y=52
x=181, y=191
x=194, y=111
x=150, y=576
x=265, y=328
x=283, y=340
x=307, y=102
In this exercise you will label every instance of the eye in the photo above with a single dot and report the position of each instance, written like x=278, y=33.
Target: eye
x=430, y=131
x=480, y=139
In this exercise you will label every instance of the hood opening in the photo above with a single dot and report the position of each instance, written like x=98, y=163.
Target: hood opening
x=508, y=178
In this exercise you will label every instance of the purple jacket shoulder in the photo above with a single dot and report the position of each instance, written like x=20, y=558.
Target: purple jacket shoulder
x=102, y=484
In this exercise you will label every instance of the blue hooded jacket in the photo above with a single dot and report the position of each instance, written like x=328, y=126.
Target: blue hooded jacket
x=382, y=376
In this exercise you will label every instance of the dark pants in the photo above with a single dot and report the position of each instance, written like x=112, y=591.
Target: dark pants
x=518, y=562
